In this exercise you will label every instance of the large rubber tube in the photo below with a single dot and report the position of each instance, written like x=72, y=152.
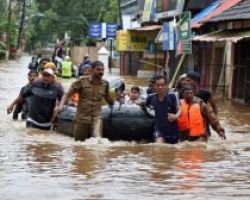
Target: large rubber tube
x=125, y=123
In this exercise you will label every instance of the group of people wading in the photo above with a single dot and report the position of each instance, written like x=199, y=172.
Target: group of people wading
x=181, y=113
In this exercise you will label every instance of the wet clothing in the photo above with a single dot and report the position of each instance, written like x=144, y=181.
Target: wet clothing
x=42, y=102
x=207, y=115
x=82, y=131
x=22, y=106
x=90, y=98
x=88, y=118
x=204, y=95
x=191, y=119
x=164, y=128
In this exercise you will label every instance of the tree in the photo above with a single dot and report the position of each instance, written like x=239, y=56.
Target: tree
x=49, y=20
x=109, y=12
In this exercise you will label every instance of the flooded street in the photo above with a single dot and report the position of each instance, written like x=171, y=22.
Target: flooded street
x=48, y=165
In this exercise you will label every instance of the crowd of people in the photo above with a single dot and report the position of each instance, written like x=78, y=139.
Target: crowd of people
x=185, y=112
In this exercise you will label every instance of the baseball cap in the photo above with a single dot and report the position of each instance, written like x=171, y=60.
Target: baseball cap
x=49, y=71
x=50, y=65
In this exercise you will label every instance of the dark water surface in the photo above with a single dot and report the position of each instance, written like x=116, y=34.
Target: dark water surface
x=46, y=165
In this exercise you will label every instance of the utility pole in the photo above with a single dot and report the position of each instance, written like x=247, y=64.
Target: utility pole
x=21, y=26
x=120, y=14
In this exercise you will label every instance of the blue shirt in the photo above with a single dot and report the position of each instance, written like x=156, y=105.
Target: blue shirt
x=162, y=108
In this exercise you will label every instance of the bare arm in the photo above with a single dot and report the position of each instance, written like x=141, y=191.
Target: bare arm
x=64, y=100
x=19, y=99
x=172, y=117
x=212, y=102
x=213, y=120
x=108, y=97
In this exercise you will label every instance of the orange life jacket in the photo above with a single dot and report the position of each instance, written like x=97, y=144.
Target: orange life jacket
x=75, y=97
x=191, y=119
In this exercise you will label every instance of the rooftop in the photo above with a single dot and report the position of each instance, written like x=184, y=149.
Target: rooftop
x=238, y=12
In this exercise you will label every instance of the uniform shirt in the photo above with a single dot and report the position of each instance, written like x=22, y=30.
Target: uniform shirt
x=42, y=100
x=168, y=105
x=90, y=98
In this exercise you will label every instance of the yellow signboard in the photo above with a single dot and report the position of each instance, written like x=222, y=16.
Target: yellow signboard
x=132, y=41
x=122, y=40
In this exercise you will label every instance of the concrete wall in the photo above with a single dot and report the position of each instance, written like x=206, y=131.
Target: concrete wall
x=78, y=53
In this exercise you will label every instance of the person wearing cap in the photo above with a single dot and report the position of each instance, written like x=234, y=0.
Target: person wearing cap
x=22, y=106
x=43, y=94
x=194, y=117
x=92, y=89
x=67, y=67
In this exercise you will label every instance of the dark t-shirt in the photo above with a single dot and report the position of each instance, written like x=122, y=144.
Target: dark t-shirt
x=204, y=95
x=42, y=100
x=168, y=105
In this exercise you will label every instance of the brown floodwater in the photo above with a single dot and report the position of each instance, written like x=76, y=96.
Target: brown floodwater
x=46, y=165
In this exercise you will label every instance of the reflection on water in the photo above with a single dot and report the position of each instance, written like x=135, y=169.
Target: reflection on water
x=46, y=165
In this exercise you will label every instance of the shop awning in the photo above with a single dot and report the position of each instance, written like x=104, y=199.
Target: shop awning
x=222, y=36
x=146, y=28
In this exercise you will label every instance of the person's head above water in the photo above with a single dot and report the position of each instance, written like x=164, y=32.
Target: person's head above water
x=134, y=93
x=193, y=78
x=160, y=85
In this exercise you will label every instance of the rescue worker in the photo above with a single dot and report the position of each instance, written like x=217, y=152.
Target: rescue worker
x=43, y=93
x=22, y=106
x=91, y=89
x=74, y=98
x=167, y=110
x=195, y=114
x=86, y=70
x=193, y=78
x=67, y=67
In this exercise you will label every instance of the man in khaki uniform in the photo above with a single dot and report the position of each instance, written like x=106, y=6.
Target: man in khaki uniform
x=91, y=89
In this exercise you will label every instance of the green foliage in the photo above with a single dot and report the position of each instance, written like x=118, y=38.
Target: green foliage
x=109, y=12
x=49, y=20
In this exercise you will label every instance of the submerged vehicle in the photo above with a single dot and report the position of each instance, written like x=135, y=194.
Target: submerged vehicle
x=128, y=122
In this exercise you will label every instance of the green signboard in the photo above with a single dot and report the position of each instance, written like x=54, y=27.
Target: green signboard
x=184, y=32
